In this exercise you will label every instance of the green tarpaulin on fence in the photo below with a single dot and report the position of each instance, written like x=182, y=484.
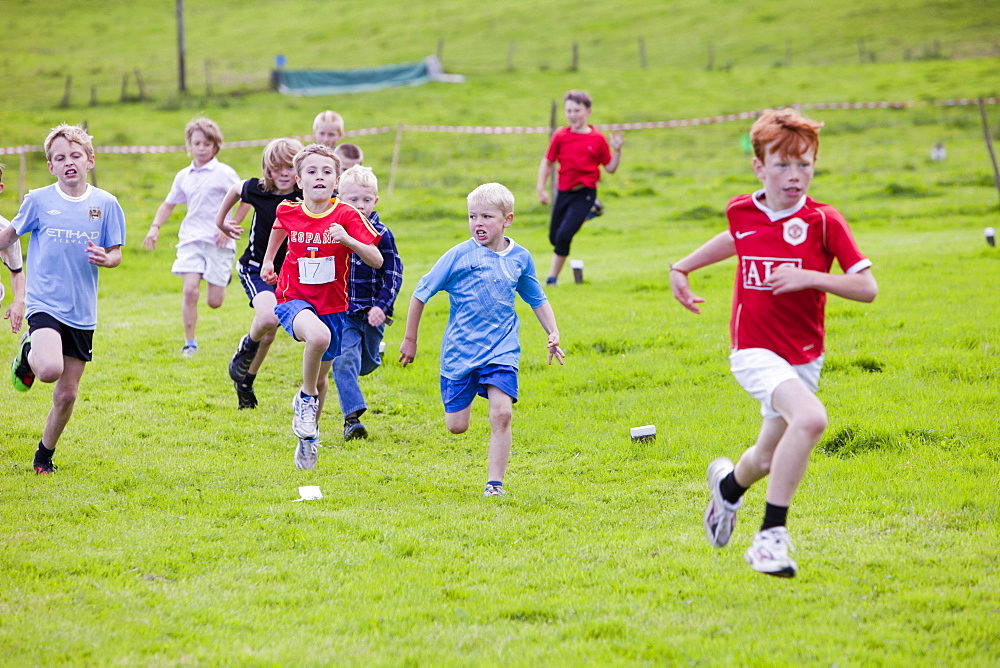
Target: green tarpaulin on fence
x=332, y=82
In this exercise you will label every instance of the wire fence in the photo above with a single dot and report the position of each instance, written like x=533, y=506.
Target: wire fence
x=891, y=143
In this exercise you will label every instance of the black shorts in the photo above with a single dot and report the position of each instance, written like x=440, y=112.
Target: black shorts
x=76, y=343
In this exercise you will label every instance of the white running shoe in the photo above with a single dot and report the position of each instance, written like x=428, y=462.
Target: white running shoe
x=720, y=516
x=768, y=553
x=494, y=490
x=306, y=454
x=304, y=416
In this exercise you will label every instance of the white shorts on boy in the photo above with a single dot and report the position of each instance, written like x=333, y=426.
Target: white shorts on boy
x=760, y=371
x=200, y=257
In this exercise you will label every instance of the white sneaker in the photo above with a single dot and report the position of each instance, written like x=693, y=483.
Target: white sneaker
x=720, y=516
x=494, y=490
x=306, y=454
x=304, y=416
x=769, y=553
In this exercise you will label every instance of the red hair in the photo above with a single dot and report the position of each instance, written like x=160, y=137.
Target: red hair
x=785, y=132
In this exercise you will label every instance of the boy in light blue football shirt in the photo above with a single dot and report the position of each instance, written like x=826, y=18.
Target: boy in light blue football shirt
x=75, y=228
x=481, y=349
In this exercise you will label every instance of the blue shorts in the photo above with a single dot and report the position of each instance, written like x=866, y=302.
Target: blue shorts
x=251, y=281
x=334, y=322
x=458, y=394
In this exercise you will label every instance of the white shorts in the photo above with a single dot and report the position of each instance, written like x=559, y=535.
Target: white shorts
x=200, y=257
x=760, y=371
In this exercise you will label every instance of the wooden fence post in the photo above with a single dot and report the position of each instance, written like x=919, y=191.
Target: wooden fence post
x=510, y=57
x=65, y=100
x=141, y=84
x=642, y=52
x=989, y=144
x=93, y=96
x=711, y=56
x=208, y=78
x=576, y=58
x=395, y=158
x=181, y=76
x=124, y=87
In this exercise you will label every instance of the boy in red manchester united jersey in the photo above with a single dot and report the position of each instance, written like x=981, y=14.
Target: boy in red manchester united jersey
x=580, y=149
x=786, y=244
x=311, y=292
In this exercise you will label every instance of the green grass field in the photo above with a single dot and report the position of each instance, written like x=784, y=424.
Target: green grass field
x=169, y=534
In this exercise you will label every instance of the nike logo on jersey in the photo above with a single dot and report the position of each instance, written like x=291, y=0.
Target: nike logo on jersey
x=741, y=235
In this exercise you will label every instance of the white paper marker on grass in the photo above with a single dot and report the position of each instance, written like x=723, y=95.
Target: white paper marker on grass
x=309, y=493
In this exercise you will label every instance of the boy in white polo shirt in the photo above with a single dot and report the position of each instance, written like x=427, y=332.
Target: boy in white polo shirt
x=203, y=252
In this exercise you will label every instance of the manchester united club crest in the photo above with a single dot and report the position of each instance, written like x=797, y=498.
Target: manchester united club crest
x=95, y=213
x=795, y=231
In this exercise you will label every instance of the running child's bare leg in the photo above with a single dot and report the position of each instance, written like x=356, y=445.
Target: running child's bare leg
x=501, y=417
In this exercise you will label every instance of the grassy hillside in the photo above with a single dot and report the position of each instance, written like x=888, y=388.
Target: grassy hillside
x=168, y=535
x=100, y=42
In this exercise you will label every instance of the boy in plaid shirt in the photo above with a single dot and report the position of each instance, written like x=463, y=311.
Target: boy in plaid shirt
x=371, y=295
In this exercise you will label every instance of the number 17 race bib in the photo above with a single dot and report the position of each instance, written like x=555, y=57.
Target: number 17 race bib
x=316, y=270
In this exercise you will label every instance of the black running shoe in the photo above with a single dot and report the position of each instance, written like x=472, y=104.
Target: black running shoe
x=239, y=366
x=245, y=395
x=354, y=429
x=20, y=371
x=45, y=468
x=596, y=210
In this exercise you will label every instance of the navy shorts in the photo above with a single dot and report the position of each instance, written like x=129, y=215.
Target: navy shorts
x=458, y=394
x=569, y=213
x=76, y=343
x=251, y=281
x=334, y=322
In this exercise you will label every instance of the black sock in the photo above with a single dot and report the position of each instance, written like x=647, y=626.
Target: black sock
x=731, y=490
x=774, y=516
x=248, y=381
x=43, y=455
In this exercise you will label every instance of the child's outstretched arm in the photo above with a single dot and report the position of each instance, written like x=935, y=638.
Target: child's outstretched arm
x=274, y=242
x=716, y=249
x=108, y=258
x=548, y=320
x=15, y=312
x=162, y=215
x=230, y=225
x=408, y=348
x=369, y=253
x=859, y=287
x=617, y=140
x=542, y=186
x=7, y=237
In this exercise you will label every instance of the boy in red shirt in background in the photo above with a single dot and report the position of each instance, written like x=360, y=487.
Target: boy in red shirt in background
x=580, y=150
x=311, y=292
x=786, y=243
